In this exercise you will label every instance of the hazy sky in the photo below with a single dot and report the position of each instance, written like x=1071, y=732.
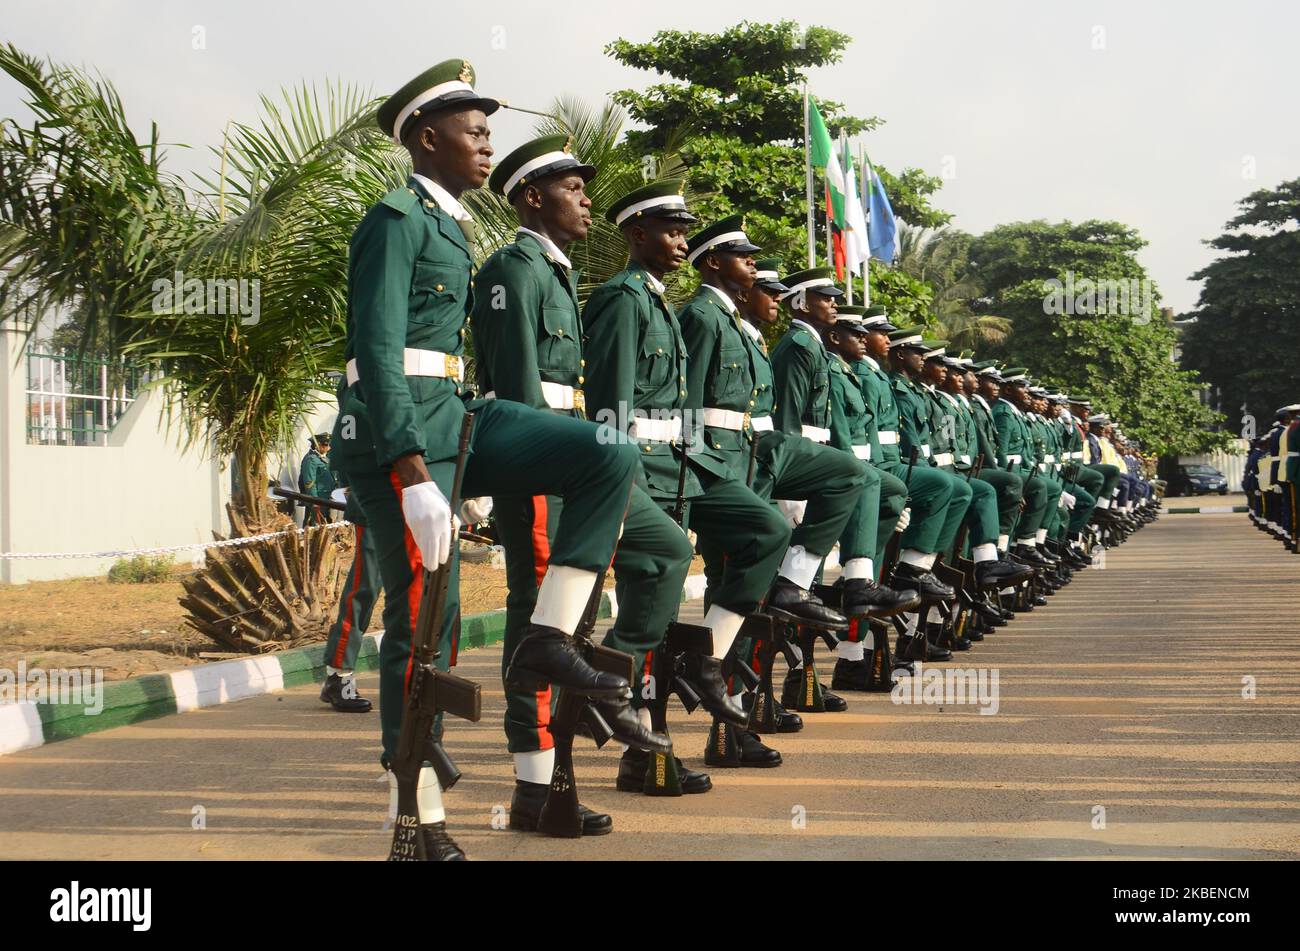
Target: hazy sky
x=1158, y=114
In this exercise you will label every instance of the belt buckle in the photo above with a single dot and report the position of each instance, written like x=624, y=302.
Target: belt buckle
x=745, y=423
x=579, y=401
x=453, y=366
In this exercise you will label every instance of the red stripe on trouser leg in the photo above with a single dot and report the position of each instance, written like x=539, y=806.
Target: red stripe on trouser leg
x=854, y=636
x=646, y=675
x=413, y=593
x=755, y=658
x=345, y=630
x=541, y=540
x=541, y=558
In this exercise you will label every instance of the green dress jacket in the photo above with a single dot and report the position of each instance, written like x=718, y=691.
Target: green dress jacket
x=409, y=286
x=882, y=413
x=913, y=418
x=636, y=361
x=802, y=369
x=1015, y=444
x=527, y=332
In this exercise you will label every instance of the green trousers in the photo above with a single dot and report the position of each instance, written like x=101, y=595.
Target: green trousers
x=1110, y=479
x=357, y=601
x=982, y=512
x=931, y=494
x=1009, y=488
x=516, y=450
x=1088, y=484
x=1037, y=495
x=653, y=558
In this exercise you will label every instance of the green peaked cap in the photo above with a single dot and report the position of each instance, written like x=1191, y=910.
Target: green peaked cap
x=548, y=155
x=661, y=199
x=450, y=83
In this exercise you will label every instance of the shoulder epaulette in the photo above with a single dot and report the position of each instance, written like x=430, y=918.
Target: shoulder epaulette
x=402, y=200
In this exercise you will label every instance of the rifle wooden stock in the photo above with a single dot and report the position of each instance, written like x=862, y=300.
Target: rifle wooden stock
x=679, y=504
x=752, y=468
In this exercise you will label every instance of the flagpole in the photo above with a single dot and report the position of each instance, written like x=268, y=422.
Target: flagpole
x=843, y=156
x=866, y=238
x=808, y=181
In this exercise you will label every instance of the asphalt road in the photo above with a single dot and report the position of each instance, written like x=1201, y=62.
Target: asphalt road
x=1121, y=732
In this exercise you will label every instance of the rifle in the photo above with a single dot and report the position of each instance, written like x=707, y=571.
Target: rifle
x=753, y=459
x=679, y=504
x=559, y=815
x=959, y=576
x=342, y=507
x=431, y=692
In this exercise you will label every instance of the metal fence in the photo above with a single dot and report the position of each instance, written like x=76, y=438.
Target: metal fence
x=76, y=399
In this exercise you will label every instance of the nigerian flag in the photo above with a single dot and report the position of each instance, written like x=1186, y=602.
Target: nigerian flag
x=821, y=154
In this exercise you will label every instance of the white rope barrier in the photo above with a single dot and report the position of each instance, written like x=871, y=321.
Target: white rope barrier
x=165, y=550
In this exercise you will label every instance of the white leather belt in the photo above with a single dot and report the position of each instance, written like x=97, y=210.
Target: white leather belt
x=1050, y=457
x=862, y=452
x=557, y=396
x=943, y=458
x=420, y=363
x=657, y=430
x=1014, y=459
x=965, y=460
x=731, y=419
x=1042, y=467
x=888, y=437
x=1077, y=455
x=817, y=434
x=925, y=451
x=761, y=424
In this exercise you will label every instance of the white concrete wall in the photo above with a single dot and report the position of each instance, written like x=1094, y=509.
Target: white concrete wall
x=141, y=490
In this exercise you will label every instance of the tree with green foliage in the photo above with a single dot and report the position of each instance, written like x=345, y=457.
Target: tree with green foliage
x=1086, y=316
x=1245, y=340
x=734, y=114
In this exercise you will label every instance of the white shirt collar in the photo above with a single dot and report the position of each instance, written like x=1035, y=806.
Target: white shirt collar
x=443, y=197
x=755, y=334
x=984, y=402
x=728, y=304
x=654, y=283
x=963, y=398
x=871, y=362
x=948, y=396
x=549, y=246
x=811, y=329
x=1014, y=407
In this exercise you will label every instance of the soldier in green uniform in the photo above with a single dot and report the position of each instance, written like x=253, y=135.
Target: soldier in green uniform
x=991, y=500
x=801, y=367
x=315, y=478
x=1087, y=483
x=1081, y=409
x=1077, y=500
x=952, y=451
x=1008, y=486
x=1018, y=453
x=409, y=295
x=637, y=382
x=528, y=347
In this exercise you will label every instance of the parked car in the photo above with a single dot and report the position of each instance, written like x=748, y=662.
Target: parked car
x=1198, y=479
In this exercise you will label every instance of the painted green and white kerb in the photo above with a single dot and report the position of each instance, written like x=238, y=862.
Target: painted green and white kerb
x=26, y=725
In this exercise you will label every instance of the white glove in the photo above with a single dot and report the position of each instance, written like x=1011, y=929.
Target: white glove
x=904, y=520
x=428, y=516
x=1068, y=500
x=473, y=511
x=792, y=510
x=339, y=495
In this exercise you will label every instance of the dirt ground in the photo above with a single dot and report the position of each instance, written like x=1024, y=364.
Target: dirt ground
x=133, y=629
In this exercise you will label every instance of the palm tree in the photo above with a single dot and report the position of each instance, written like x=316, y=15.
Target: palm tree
x=91, y=223
x=940, y=259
